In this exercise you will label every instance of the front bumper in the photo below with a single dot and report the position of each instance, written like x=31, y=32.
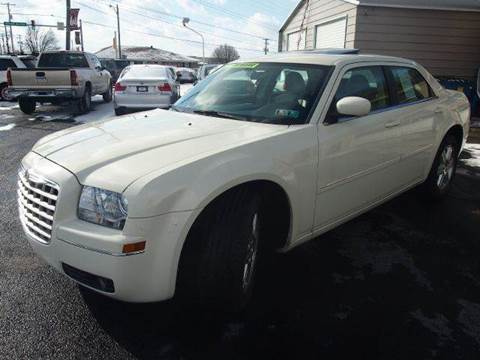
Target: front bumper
x=95, y=250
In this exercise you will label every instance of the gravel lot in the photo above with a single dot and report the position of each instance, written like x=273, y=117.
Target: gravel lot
x=402, y=281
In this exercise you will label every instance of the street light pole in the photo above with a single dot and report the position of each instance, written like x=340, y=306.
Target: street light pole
x=185, y=21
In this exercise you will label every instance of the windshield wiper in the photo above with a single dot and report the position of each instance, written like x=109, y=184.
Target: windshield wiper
x=219, y=114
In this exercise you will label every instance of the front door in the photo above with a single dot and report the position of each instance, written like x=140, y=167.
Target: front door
x=357, y=155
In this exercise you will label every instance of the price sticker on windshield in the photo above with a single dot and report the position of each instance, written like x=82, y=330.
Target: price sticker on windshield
x=285, y=113
x=243, y=65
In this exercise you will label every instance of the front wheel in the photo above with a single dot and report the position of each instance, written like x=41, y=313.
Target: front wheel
x=107, y=96
x=441, y=175
x=219, y=260
x=27, y=106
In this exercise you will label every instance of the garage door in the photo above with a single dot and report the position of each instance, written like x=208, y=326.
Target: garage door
x=331, y=34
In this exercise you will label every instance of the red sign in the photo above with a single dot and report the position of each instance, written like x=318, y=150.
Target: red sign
x=74, y=19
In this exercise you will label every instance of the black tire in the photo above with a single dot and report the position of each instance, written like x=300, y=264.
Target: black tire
x=119, y=111
x=27, y=106
x=107, y=96
x=3, y=95
x=442, y=173
x=85, y=102
x=214, y=268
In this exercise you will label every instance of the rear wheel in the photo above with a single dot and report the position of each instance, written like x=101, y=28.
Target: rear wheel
x=220, y=257
x=27, y=105
x=107, y=96
x=85, y=102
x=441, y=175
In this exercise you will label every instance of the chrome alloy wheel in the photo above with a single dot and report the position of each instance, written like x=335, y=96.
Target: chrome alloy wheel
x=251, y=256
x=446, y=167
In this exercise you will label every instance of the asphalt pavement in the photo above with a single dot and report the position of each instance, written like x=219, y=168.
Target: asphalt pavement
x=400, y=282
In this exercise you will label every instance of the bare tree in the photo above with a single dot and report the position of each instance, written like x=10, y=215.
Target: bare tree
x=224, y=54
x=37, y=41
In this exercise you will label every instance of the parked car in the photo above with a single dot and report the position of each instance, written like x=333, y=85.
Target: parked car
x=145, y=86
x=6, y=62
x=186, y=202
x=205, y=69
x=61, y=76
x=114, y=67
x=186, y=75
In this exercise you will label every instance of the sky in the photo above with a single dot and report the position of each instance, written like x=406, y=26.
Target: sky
x=240, y=23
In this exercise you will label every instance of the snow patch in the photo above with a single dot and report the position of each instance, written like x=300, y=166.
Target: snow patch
x=100, y=111
x=7, y=127
x=473, y=151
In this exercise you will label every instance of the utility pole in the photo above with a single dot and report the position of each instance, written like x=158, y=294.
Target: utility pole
x=81, y=34
x=20, y=43
x=10, y=19
x=2, y=45
x=67, y=27
x=266, y=46
x=6, y=36
x=119, y=45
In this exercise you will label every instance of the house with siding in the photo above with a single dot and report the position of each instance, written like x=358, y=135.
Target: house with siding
x=442, y=35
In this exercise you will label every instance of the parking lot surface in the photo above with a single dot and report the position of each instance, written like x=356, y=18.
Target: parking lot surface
x=402, y=281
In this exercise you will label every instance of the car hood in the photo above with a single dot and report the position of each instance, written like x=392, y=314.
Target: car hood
x=114, y=153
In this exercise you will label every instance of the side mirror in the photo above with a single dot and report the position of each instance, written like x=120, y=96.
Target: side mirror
x=353, y=106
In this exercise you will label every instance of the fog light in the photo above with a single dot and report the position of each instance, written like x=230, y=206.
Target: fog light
x=135, y=247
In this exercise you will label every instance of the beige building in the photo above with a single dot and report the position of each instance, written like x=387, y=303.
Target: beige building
x=442, y=35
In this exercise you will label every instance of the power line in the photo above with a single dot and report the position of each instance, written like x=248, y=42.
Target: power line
x=192, y=20
x=234, y=14
x=155, y=19
x=167, y=37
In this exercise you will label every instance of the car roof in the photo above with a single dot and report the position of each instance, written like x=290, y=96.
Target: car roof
x=148, y=65
x=329, y=59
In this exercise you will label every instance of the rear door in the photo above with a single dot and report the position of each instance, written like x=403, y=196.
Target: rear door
x=356, y=154
x=416, y=111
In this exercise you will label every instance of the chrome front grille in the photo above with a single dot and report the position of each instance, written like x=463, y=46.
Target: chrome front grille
x=37, y=198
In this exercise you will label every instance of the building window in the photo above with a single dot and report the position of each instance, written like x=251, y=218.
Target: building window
x=296, y=40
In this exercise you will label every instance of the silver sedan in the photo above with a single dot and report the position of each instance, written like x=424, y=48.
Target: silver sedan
x=145, y=86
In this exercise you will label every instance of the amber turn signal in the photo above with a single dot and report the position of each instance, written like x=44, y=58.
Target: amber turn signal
x=135, y=247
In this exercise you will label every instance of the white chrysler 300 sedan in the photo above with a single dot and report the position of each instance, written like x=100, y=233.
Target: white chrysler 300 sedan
x=261, y=155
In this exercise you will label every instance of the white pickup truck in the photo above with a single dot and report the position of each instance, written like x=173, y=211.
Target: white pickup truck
x=61, y=76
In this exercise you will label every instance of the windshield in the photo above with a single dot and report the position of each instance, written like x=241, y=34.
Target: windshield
x=60, y=60
x=275, y=93
x=209, y=68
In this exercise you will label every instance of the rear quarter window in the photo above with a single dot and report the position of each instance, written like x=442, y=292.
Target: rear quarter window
x=60, y=60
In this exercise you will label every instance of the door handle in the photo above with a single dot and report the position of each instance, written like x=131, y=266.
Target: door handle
x=392, y=124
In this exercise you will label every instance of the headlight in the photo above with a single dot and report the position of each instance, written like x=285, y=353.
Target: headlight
x=103, y=207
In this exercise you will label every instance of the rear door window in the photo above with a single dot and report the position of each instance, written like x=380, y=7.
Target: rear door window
x=7, y=63
x=409, y=85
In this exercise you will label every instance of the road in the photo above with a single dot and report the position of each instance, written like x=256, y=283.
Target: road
x=402, y=281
